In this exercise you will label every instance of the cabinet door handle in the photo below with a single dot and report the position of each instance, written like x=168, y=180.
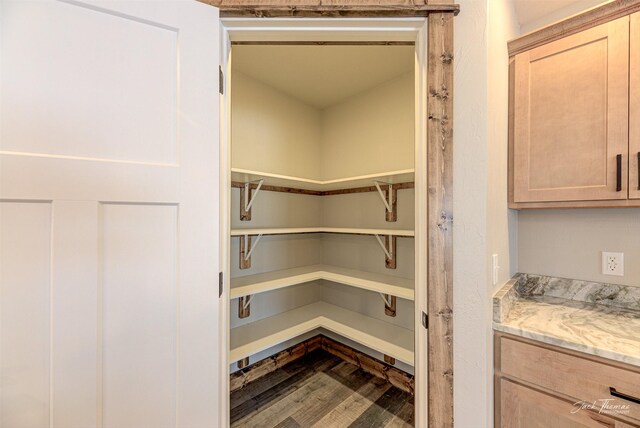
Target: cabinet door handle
x=619, y=173
x=638, y=170
x=615, y=393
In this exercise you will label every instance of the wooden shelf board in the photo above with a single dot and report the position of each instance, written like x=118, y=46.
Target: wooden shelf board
x=260, y=283
x=381, y=336
x=245, y=175
x=297, y=230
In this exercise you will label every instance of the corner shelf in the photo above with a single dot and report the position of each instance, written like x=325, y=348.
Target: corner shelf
x=298, y=230
x=245, y=176
x=260, y=283
x=388, y=246
x=389, y=339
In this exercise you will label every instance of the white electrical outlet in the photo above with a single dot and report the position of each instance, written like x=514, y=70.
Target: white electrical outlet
x=495, y=268
x=612, y=263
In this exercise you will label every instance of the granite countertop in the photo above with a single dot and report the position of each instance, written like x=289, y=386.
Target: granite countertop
x=594, y=318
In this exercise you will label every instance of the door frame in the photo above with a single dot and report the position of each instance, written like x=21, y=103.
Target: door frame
x=349, y=30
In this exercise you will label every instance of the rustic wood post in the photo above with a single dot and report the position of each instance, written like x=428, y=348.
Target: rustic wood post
x=440, y=218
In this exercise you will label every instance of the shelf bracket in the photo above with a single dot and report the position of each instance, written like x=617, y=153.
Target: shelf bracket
x=244, y=306
x=389, y=198
x=246, y=249
x=247, y=197
x=389, y=248
x=389, y=304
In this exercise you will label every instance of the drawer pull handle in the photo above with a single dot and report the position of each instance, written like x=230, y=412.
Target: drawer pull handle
x=615, y=393
x=619, y=173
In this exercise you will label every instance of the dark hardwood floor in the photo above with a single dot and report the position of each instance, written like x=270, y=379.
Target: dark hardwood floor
x=320, y=390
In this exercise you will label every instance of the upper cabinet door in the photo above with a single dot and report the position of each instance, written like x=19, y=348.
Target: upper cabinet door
x=634, y=109
x=571, y=117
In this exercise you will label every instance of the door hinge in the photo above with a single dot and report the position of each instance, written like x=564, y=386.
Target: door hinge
x=425, y=320
x=220, y=284
x=220, y=80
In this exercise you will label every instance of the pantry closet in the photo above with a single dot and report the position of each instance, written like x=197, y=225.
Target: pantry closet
x=322, y=202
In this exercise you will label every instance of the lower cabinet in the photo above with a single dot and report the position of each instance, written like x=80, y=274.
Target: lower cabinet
x=523, y=407
x=539, y=385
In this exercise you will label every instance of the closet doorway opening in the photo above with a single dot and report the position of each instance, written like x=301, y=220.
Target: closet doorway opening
x=324, y=183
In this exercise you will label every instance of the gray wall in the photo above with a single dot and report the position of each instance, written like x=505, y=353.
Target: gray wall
x=568, y=243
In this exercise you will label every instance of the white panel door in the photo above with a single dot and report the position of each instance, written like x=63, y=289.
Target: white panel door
x=109, y=224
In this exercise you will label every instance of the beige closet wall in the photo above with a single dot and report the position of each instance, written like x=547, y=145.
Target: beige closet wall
x=272, y=131
x=370, y=132
x=366, y=210
x=277, y=252
x=273, y=209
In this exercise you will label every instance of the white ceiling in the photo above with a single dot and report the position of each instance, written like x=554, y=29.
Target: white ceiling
x=322, y=75
x=533, y=14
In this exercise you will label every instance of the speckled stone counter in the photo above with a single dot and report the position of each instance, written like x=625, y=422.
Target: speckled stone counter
x=594, y=318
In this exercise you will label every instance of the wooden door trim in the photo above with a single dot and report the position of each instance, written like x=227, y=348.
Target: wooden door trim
x=339, y=9
x=591, y=18
x=440, y=218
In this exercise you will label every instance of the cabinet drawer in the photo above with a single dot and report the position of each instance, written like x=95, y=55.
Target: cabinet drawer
x=580, y=378
x=524, y=407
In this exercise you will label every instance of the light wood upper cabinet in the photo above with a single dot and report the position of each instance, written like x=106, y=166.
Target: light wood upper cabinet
x=634, y=108
x=570, y=117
